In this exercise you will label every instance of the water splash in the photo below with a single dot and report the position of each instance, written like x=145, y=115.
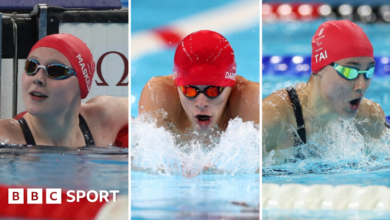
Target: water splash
x=159, y=151
x=336, y=148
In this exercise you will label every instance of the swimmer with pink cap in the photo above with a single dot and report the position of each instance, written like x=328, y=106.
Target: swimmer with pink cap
x=342, y=69
x=203, y=91
x=57, y=75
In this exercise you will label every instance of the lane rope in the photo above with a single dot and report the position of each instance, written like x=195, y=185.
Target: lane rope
x=325, y=197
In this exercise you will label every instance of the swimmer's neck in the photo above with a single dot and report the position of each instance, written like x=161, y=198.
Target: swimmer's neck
x=57, y=129
x=315, y=106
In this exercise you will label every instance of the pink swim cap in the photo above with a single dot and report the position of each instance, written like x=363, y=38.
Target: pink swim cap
x=337, y=40
x=78, y=54
x=204, y=58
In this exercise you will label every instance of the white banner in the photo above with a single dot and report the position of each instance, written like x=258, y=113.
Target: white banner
x=108, y=43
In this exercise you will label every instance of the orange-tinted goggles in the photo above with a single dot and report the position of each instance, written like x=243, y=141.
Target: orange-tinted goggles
x=192, y=92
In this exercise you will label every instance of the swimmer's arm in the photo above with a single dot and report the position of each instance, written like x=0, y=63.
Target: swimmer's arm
x=159, y=99
x=271, y=127
x=276, y=129
x=251, y=99
x=11, y=132
x=124, y=100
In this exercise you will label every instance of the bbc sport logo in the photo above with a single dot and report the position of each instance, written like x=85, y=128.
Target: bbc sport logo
x=54, y=195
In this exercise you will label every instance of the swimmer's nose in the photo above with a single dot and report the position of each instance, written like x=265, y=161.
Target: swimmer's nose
x=40, y=78
x=201, y=102
x=361, y=84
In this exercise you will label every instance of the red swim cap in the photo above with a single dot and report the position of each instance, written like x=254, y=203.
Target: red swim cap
x=337, y=40
x=204, y=58
x=78, y=54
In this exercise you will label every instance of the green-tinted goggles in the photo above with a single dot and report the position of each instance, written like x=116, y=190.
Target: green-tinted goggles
x=351, y=73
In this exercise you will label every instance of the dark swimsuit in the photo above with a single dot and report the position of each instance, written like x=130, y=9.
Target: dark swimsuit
x=296, y=105
x=83, y=127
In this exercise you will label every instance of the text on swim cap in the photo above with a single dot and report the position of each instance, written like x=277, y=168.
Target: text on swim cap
x=85, y=72
x=231, y=76
x=322, y=56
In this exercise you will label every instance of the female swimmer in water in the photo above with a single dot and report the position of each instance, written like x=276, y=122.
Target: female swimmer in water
x=343, y=65
x=57, y=76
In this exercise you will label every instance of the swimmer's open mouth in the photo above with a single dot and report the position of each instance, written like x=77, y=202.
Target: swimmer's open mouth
x=203, y=120
x=38, y=94
x=355, y=103
x=203, y=117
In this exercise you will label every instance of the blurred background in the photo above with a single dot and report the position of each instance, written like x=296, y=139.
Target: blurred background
x=287, y=30
x=158, y=26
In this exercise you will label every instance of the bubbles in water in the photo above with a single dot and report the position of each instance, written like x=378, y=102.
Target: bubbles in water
x=159, y=151
x=336, y=148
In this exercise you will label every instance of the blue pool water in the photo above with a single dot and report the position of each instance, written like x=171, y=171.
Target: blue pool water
x=202, y=197
x=346, y=158
x=159, y=189
x=294, y=38
x=67, y=168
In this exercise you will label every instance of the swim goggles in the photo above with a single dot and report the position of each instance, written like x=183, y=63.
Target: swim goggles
x=351, y=73
x=54, y=71
x=192, y=92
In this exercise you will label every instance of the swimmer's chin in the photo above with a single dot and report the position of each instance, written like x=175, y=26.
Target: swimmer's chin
x=349, y=114
x=203, y=128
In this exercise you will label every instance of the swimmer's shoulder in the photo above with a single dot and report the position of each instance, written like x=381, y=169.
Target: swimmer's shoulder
x=277, y=106
x=247, y=87
x=100, y=104
x=159, y=93
x=370, y=118
x=160, y=84
x=244, y=100
x=11, y=132
x=106, y=110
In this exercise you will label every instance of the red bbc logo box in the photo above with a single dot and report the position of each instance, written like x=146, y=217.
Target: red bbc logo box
x=34, y=196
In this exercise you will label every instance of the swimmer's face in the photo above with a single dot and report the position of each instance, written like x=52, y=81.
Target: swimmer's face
x=204, y=112
x=42, y=95
x=341, y=95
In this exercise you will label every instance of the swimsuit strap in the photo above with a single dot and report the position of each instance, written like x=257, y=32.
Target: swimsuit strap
x=83, y=127
x=387, y=124
x=296, y=105
x=26, y=132
x=86, y=132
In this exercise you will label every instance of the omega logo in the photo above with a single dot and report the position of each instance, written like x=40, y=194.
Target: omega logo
x=99, y=70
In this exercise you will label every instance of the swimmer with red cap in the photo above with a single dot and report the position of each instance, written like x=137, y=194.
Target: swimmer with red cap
x=342, y=69
x=57, y=76
x=203, y=91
